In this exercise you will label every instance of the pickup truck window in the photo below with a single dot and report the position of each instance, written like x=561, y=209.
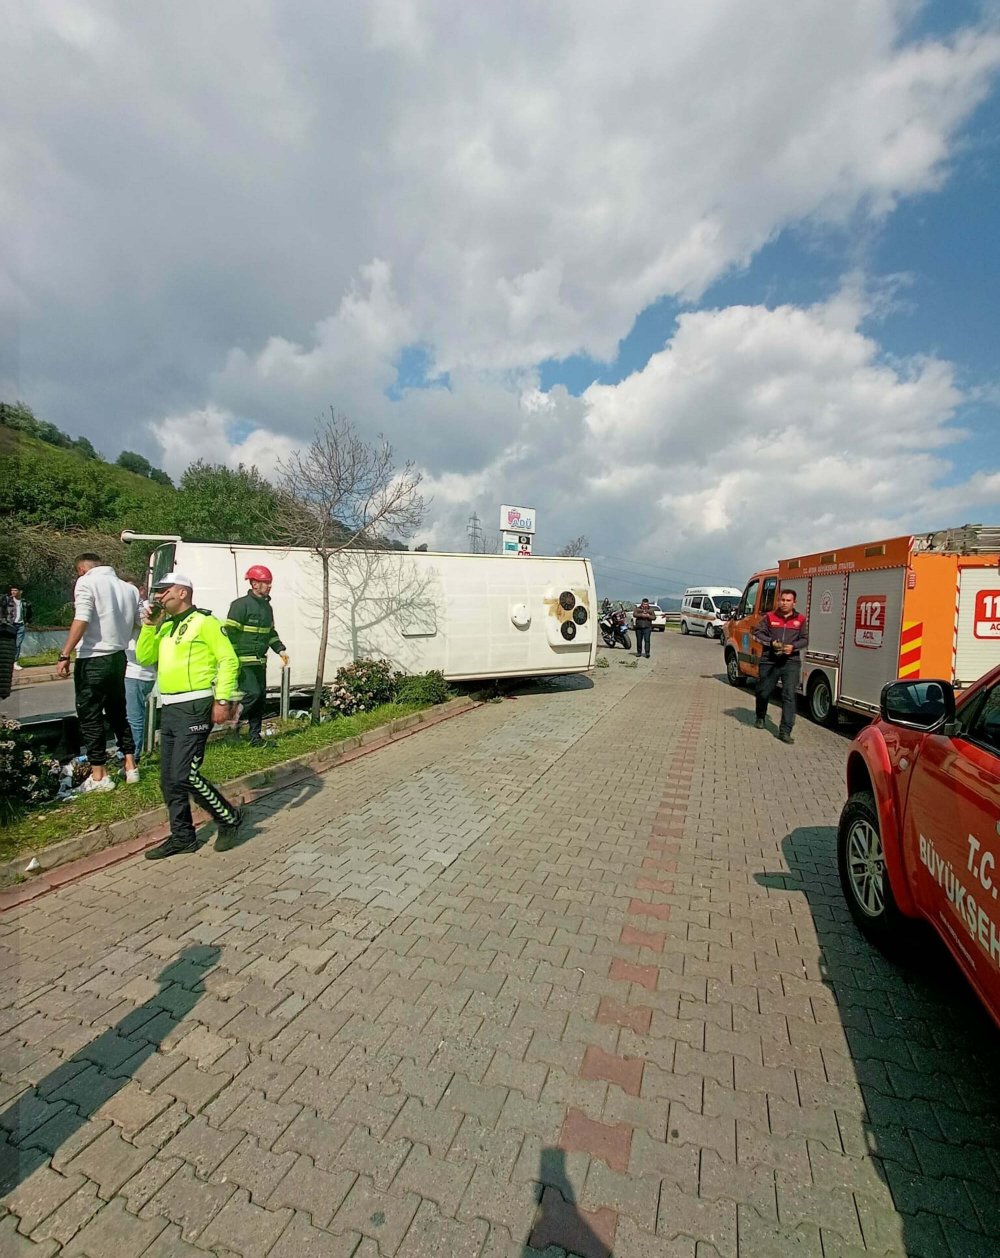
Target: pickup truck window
x=984, y=726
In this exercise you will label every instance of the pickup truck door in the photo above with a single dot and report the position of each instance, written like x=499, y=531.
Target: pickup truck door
x=952, y=839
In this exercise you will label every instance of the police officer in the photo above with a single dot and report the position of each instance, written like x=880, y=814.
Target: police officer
x=250, y=628
x=783, y=634
x=197, y=674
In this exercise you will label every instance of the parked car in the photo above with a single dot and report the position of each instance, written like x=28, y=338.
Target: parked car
x=706, y=608
x=919, y=836
x=659, y=618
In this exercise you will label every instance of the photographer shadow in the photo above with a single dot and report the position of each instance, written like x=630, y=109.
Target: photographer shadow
x=48, y=1115
x=559, y=1221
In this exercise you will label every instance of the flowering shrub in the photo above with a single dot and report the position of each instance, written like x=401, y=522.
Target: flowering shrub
x=361, y=686
x=27, y=777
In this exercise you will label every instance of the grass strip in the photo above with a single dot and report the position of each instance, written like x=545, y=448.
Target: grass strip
x=40, y=658
x=225, y=758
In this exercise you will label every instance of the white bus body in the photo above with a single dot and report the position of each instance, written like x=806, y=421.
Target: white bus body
x=471, y=616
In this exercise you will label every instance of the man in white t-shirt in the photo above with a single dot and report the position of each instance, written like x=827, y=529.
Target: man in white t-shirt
x=105, y=614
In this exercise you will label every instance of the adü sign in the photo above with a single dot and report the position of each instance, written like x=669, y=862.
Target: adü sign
x=517, y=519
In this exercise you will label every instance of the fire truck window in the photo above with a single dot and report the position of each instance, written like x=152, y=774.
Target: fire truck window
x=767, y=602
x=985, y=725
x=749, y=598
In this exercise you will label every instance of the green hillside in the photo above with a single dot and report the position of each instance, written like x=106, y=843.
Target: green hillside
x=55, y=488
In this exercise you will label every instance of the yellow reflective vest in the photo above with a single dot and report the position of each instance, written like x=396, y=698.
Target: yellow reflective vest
x=191, y=653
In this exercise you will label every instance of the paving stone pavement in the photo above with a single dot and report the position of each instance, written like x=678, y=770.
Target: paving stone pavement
x=568, y=974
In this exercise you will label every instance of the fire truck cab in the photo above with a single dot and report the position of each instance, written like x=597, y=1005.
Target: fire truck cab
x=901, y=607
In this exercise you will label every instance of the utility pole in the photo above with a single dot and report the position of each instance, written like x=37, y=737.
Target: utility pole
x=475, y=531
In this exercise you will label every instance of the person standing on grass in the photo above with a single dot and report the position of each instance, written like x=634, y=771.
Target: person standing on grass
x=16, y=610
x=198, y=672
x=250, y=628
x=642, y=618
x=139, y=683
x=104, y=615
x=784, y=635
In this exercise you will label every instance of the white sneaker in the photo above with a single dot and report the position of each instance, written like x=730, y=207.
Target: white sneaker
x=91, y=784
x=17, y=668
x=131, y=776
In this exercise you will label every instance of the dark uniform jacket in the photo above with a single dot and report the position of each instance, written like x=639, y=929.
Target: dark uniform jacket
x=250, y=628
x=773, y=628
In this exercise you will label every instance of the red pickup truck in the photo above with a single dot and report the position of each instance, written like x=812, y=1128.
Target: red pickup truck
x=919, y=836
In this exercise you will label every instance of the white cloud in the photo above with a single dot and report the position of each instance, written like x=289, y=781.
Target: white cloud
x=233, y=216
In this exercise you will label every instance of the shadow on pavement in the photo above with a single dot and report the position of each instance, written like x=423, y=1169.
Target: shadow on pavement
x=281, y=799
x=557, y=1220
x=923, y=1053
x=45, y=1117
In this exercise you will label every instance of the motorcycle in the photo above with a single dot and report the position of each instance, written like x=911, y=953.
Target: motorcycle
x=614, y=628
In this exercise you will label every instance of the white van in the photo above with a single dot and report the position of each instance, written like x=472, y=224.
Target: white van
x=706, y=608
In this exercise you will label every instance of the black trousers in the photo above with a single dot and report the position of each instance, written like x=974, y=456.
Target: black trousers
x=184, y=731
x=99, y=683
x=253, y=683
x=786, y=669
x=643, y=633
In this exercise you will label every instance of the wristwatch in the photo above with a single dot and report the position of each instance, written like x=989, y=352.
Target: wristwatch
x=63, y=659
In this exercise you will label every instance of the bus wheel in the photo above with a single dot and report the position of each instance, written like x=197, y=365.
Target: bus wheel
x=733, y=674
x=820, y=700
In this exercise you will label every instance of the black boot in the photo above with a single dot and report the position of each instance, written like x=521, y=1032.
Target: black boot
x=759, y=723
x=228, y=835
x=171, y=847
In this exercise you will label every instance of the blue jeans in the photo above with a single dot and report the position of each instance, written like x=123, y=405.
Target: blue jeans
x=19, y=641
x=136, y=694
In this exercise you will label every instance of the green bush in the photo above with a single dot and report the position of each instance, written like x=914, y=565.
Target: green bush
x=27, y=778
x=423, y=688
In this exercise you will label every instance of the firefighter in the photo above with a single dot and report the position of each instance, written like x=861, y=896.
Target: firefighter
x=250, y=628
x=197, y=670
x=783, y=634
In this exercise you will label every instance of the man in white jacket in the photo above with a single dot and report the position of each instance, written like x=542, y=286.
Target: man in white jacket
x=105, y=612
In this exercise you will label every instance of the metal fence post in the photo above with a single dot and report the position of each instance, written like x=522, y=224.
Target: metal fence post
x=149, y=732
x=286, y=692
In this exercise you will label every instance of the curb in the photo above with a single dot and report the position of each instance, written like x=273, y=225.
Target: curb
x=34, y=676
x=71, y=859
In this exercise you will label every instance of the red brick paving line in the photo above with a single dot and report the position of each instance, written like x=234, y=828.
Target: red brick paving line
x=561, y=1222
x=74, y=871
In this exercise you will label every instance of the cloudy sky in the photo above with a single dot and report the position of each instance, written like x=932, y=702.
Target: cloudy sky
x=709, y=283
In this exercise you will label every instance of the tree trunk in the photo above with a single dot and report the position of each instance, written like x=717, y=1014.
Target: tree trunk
x=324, y=634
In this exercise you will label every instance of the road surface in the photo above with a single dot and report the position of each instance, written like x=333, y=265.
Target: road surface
x=571, y=970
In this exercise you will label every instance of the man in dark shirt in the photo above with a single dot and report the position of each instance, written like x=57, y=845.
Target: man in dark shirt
x=250, y=628
x=783, y=634
x=642, y=618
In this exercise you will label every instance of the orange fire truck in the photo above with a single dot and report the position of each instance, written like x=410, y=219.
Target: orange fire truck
x=904, y=607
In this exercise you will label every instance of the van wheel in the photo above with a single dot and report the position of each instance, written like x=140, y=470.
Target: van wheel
x=863, y=876
x=710, y=631
x=684, y=627
x=820, y=700
x=733, y=674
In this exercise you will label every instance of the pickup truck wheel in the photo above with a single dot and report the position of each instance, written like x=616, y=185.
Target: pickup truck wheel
x=733, y=674
x=684, y=627
x=863, y=876
x=820, y=700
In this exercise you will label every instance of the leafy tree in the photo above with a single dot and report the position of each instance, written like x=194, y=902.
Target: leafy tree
x=343, y=492
x=225, y=504
x=133, y=462
x=161, y=478
x=84, y=447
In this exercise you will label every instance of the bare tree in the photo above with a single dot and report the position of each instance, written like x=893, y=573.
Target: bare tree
x=575, y=546
x=343, y=492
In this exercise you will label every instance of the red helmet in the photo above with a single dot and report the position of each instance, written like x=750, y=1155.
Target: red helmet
x=259, y=573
